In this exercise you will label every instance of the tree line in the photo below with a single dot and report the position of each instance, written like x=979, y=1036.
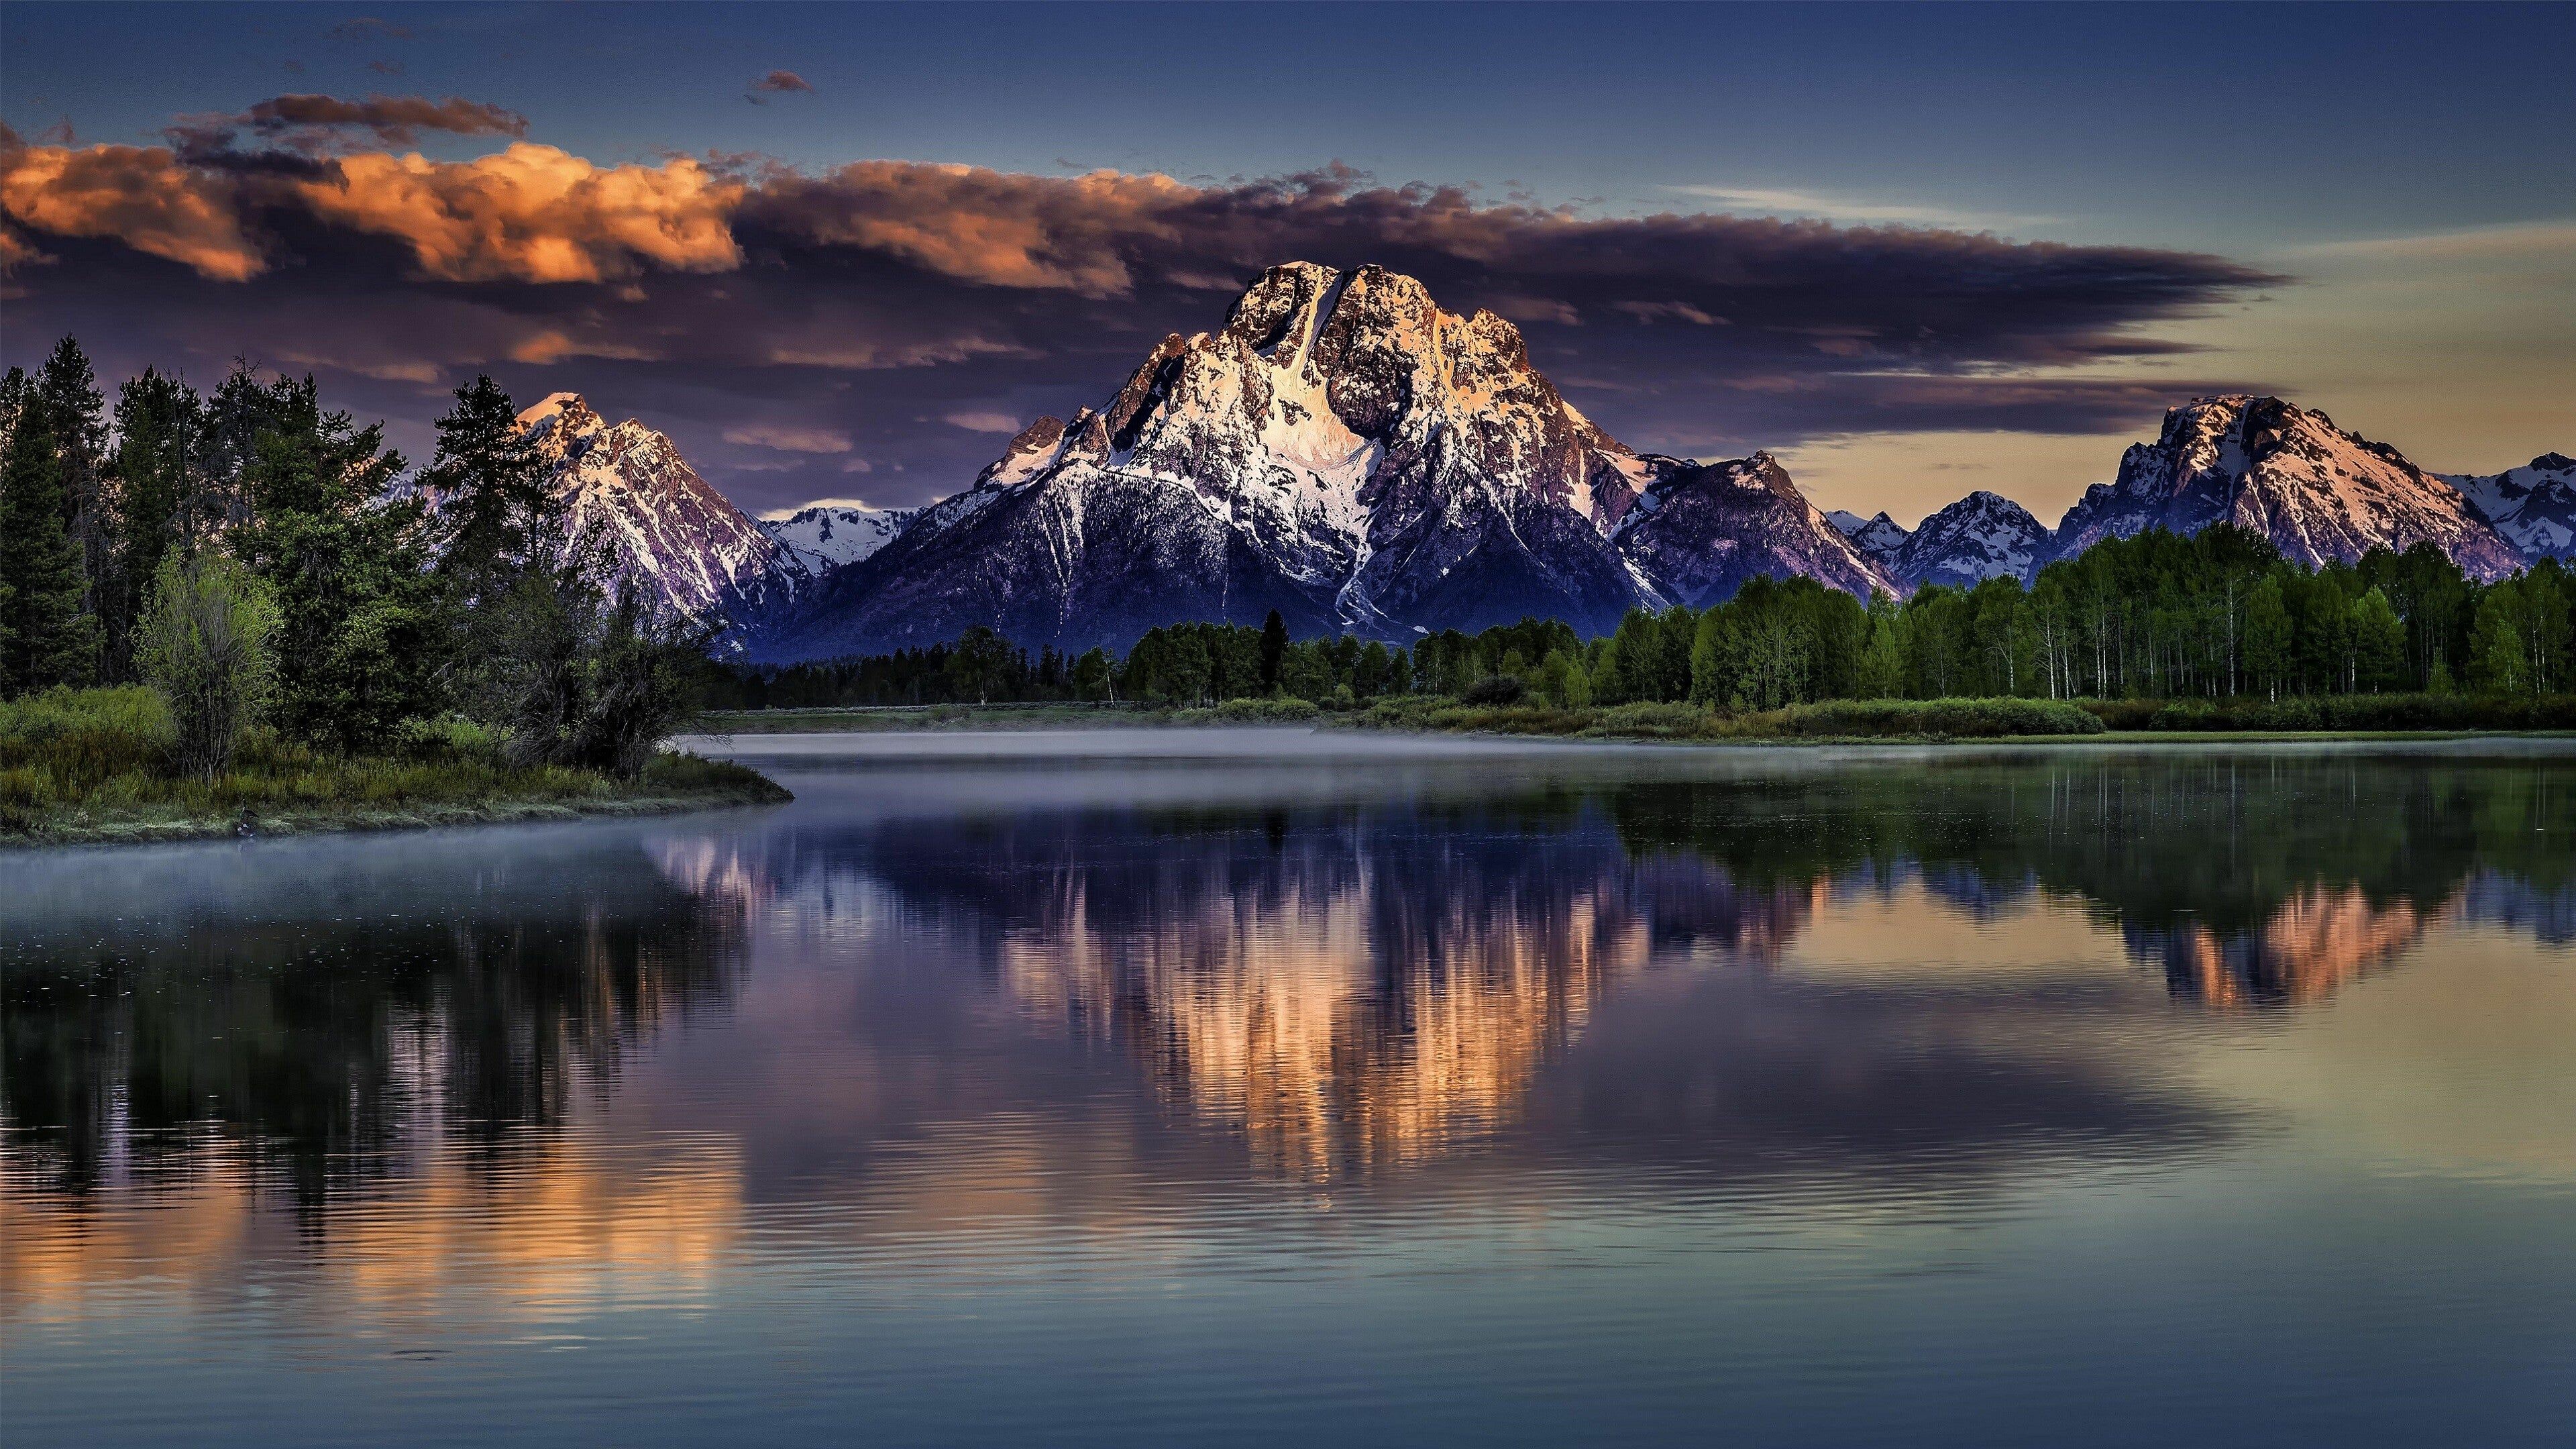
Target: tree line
x=260, y=558
x=2217, y=615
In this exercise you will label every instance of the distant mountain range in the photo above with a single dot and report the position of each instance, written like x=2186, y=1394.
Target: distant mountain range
x=1343, y=450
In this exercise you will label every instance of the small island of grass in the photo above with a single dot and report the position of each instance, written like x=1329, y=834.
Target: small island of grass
x=99, y=766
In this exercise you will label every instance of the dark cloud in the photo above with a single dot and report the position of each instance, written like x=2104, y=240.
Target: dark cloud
x=315, y=123
x=731, y=294
x=777, y=82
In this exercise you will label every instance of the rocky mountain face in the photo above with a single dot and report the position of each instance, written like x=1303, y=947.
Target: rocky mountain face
x=2533, y=506
x=1982, y=536
x=823, y=537
x=671, y=531
x=1697, y=533
x=1341, y=450
x=2319, y=493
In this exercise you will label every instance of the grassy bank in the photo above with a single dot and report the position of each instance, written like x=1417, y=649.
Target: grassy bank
x=1831, y=720
x=92, y=765
x=2342, y=714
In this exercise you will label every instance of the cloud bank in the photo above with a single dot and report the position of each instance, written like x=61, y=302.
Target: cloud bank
x=733, y=295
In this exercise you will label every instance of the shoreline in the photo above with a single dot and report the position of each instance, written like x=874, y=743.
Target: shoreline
x=84, y=826
x=431, y=815
x=1068, y=717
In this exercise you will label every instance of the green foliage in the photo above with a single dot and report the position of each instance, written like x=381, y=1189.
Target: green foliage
x=205, y=643
x=93, y=763
x=46, y=636
x=498, y=513
x=359, y=637
x=1272, y=709
x=2342, y=712
x=1832, y=719
x=979, y=664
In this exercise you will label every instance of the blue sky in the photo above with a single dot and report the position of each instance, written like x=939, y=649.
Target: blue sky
x=2413, y=168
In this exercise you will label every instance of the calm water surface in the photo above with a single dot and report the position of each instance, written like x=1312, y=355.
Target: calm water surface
x=1269, y=1087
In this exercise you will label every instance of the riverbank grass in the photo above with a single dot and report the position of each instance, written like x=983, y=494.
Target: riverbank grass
x=96, y=765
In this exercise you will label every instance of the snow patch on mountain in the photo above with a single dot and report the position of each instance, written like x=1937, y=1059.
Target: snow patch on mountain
x=670, y=531
x=1341, y=449
x=822, y=537
x=1879, y=537
x=1982, y=536
x=2320, y=494
x=2534, y=506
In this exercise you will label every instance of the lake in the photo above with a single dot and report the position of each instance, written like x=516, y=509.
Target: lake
x=1268, y=1086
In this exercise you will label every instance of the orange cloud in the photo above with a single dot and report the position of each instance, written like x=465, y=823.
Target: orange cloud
x=981, y=225
x=533, y=213
x=141, y=195
x=552, y=346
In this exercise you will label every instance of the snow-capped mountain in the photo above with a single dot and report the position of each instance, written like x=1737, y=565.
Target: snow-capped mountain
x=2534, y=506
x=823, y=537
x=1341, y=450
x=2319, y=493
x=1879, y=537
x=1982, y=536
x=1697, y=533
x=670, y=530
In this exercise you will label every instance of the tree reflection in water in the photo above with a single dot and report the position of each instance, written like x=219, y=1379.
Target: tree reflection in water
x=1356, y=980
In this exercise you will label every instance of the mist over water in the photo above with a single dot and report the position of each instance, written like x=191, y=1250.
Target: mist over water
x=1273, y=1086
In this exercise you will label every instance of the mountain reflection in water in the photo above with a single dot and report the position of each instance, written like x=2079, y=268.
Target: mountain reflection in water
x=552, y=1070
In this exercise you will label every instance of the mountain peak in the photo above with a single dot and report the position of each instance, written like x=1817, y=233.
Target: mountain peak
x=1982, y=536
x=1341, y=449
x=2319, y=493
x=565, y=413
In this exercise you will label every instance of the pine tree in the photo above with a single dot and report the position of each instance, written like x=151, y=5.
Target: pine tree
x=1274, y=651
x=67, y=394
x=357, y=643
x=160, y=427
x=45, y=637
x=497, y=508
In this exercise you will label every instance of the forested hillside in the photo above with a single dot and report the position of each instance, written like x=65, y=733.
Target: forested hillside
x=2216, y=616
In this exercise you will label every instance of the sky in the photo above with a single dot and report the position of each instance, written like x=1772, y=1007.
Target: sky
x=844, y=251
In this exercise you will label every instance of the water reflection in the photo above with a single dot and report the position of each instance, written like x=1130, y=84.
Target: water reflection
x=307, y=1021
x=1367, y=976
x=982, y=1028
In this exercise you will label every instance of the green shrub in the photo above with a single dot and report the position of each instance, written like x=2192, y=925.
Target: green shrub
x=204, y=643
x=1953, y=718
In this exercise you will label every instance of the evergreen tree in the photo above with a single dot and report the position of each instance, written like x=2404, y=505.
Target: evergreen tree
x=67, y=395
x=45, y=637
x=498, y=512
x=160, y=432
x=358, y=643
x=1274, y=651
